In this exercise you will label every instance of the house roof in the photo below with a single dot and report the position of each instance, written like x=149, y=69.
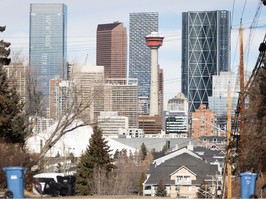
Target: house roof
x=195, y=165
x=208, y=154
x=155, y=143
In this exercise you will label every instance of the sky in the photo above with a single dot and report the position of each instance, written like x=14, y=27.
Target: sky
x=84, y=15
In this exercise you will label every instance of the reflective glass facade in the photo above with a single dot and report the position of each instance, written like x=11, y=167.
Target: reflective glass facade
x=140, y=25
x=47, y=52
x=205, y=52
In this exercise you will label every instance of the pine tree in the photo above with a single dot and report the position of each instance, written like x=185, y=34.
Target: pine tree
x=97, y=156
x=143, y=151
x=161, y=191
x=141, y=181
x=12, y=118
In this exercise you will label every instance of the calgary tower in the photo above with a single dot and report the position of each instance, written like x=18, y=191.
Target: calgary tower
x=154, y=41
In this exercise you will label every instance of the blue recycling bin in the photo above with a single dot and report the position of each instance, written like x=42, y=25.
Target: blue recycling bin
x=15, y=180
x=248, y=184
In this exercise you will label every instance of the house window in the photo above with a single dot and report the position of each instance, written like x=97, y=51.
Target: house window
x=147, y=187
x=183, y=180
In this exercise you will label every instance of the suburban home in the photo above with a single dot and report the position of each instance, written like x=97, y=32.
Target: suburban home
x=183, y=172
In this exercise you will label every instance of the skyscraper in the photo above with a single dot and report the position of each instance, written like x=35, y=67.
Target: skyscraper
x=112, y=49
x=47, y=52
x=205, y=52
x=140, y=25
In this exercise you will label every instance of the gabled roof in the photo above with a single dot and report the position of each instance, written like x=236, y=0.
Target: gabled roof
x=208, y=154
x=183, y=167
x=194, y=164
x=174, y=154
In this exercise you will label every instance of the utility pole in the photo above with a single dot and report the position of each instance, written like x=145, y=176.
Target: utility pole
x=242, y=82
x=229, y=183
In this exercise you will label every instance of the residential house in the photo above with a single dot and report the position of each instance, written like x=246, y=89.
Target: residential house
x=183, y=173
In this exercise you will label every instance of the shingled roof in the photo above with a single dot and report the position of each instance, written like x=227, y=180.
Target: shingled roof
x=196, y=165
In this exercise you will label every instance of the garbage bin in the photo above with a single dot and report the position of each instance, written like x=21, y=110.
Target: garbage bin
x=15, y=182
x=248, y=184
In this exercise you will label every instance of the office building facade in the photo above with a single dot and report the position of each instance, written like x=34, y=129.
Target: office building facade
x=111, y=49
x=176, y=116
x=47, y=46
x=121, y=96
x=205, y=52
x=140, y=25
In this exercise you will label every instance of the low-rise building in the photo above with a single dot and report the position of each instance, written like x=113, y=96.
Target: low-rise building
x=130, y=133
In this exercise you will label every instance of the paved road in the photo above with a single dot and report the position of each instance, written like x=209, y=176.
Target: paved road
x=27, y=195
x=97, y=197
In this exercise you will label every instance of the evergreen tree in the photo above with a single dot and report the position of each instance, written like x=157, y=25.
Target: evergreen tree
x=12, y=118
x=141, y=181
x=143, y=151
x=97, y=157
x=161, y=191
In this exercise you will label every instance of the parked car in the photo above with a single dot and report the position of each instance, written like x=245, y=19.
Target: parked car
x=54, y=184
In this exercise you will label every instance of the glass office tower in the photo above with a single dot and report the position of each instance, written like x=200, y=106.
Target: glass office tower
x=47, y=48
x=205, y=52
x=140, y=25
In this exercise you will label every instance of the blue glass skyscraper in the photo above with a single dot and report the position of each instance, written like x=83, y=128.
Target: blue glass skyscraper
x=47, y=48
x=140, y=25
x=205, y=52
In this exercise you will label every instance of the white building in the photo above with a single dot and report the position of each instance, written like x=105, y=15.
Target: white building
x=220, y=85
x=89, y=81
x=219, y=100
x=176, y=116
x=131, y=133
x=75, y=141
x=110, y=122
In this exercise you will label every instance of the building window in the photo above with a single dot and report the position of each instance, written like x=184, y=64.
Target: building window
x=147, y=188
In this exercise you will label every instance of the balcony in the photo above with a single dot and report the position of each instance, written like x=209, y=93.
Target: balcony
x=183, y=181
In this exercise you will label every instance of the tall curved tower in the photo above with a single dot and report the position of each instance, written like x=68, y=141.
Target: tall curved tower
x=154, y=41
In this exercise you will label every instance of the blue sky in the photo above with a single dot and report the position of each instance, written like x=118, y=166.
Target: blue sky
x=85, y=15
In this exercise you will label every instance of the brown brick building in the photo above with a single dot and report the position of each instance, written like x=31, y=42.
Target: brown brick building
x=111, y=49
x=204, y=123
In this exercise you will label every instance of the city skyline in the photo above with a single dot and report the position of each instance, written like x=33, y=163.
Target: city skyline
x=83, y=18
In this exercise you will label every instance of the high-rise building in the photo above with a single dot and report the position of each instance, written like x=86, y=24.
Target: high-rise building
x=89, y=82
x=176, y=116
x=47, y=48
x=63, y=98
x=218, y=102
x=140, y=25
x=112, y=49
x=17, y=73
x=205, y=52
x=121, y=96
